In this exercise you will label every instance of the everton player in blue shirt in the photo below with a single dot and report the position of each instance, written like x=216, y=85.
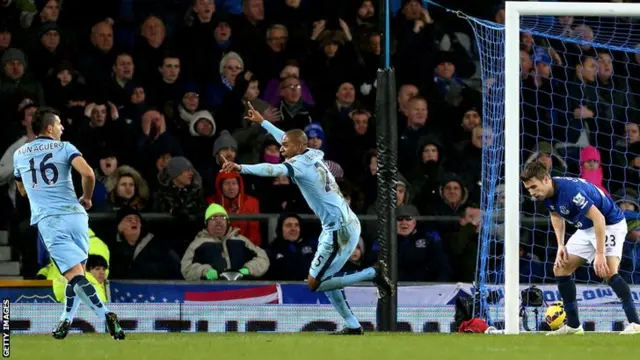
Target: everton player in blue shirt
x=600, y=234
x=42, y=169
x=340, y=226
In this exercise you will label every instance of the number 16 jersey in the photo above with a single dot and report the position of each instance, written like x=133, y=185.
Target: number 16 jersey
x=319, y=188
x=44, y=167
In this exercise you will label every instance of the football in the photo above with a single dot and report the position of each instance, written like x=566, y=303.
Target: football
x=555, y=315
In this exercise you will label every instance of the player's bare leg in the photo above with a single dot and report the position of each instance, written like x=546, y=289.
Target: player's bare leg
x=563, y=269
x=621, y=288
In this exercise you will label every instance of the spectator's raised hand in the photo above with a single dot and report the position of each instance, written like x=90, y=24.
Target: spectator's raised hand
x=89, y=109
x=146, y=125
x=582, y=112
x=113, y=110
x=272, y=114
x=345, y=29
x=318, y=28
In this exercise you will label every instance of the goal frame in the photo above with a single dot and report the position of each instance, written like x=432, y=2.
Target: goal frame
x=513, y=12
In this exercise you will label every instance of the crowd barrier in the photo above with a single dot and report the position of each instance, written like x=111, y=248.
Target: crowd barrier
x=279, y=307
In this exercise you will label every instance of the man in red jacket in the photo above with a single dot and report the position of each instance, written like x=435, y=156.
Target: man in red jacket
x=230, y=194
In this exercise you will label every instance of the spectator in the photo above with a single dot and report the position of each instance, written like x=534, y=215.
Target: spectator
x=296, y=114
x=219, y=248
x=15, y=81
x=416, y=128
x=590, y=168
x=139, y=254
x=123, y=73
x=272, y=93
x=290, y=253
x=230, y=192
x=627, y=200
x=107, y=166
x=421, y=255
x=126, y=188
x=230, y=66
x=429, y=170
x=180, y=192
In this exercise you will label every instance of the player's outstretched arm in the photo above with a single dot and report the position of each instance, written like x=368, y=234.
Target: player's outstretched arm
x=256, y=117
x=88, y=180
x=265, y=170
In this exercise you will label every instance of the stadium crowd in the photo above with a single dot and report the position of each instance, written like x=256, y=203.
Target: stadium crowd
x=154, y=94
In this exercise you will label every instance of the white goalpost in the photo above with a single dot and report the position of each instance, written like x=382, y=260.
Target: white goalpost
x=513, y=12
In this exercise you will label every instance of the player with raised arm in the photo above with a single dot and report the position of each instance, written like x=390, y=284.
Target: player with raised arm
x=601, y=230
x=42, y=169
x=340, y=226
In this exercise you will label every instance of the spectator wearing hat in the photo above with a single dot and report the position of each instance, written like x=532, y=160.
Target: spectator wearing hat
x=198, y=145
x=224, y=148
x=315, y=136
x=428, y=170
x=125, y=187
x=180, y=192
x=627, y=200
x=290, y=253
x=421, y=254
x=230, y=193
x=453, y=197
x=139, y=254
x=219, y=248
x=16, y=82
x=48, y=50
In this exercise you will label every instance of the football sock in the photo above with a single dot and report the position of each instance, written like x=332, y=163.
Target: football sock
x=87, y=293
x=567, y=289
x=343, y=280
x=339, y=302
x=71, y=304
x=621, y=288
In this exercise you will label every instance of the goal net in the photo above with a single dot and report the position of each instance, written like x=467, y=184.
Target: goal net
x=574, y=84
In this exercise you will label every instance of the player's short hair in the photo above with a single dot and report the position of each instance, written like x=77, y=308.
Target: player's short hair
x=534, y=169
x=299, y=135
x=44, y=117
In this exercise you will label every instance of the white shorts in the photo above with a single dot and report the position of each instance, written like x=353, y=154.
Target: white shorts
x=583, y=242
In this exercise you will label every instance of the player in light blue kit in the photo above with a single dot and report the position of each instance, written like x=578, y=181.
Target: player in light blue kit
x=42, y=169
x=340, y=226
x=599, y=239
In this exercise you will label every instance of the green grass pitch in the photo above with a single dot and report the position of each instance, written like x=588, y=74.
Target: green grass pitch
x=311, y=346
